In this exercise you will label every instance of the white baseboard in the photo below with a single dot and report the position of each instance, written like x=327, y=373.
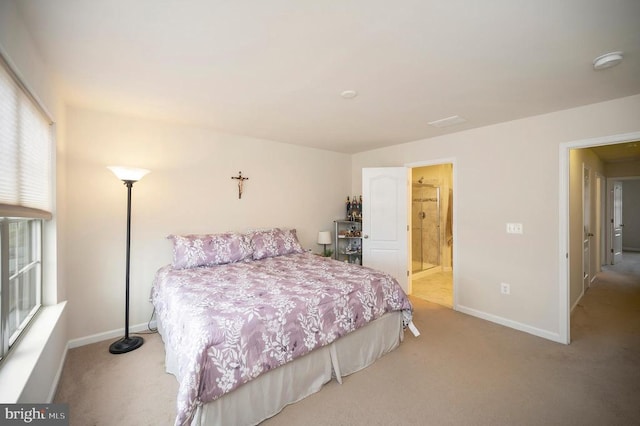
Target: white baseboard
x=577, y=301
x=433, y=270
x=545, y=334
x=106, y=335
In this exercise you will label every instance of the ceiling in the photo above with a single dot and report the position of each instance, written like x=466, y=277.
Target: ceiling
x=618, y=153
x=275, y=69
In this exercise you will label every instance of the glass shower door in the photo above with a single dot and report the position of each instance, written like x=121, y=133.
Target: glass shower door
x=425, y=232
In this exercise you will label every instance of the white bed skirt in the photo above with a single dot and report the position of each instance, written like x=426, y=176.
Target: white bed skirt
x=268, y=394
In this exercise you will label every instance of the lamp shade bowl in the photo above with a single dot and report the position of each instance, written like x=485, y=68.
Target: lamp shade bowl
x=132, y=174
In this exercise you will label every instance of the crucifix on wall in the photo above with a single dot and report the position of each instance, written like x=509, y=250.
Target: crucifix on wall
x=240, y=180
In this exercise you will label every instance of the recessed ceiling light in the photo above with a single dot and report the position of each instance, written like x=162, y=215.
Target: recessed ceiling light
x=607, y=60
x=449, y=121
x=349, y=94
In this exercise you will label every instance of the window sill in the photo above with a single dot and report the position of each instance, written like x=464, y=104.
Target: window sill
x=32, y=362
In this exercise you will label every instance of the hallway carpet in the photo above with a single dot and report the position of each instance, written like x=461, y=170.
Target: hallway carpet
x=460, y=371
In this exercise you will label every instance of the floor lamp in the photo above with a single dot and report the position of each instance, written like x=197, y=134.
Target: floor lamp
x=127, y=344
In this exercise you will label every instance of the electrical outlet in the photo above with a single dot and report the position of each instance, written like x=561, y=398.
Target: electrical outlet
x=514, y=228
x=505, y=288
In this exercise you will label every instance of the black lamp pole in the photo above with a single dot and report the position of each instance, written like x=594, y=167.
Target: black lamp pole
x=127, y=344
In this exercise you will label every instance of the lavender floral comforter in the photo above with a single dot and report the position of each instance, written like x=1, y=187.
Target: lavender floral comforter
x=230, y=323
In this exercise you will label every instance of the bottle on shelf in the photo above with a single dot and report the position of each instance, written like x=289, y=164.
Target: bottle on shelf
x=348, y=208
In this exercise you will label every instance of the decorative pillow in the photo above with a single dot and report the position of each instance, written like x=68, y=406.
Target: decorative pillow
x=274, y=242
x=191, y=251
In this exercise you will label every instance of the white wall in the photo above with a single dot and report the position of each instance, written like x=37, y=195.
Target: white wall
x=31, y=371
x=509, y=172
x=189, y=190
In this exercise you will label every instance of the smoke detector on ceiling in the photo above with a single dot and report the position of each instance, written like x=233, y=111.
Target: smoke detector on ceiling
x=349, y=94
x=607, y=60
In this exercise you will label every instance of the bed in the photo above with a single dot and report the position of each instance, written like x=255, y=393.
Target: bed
x=251, y=323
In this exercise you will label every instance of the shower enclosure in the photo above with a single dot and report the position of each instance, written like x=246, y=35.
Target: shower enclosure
x=425, y=224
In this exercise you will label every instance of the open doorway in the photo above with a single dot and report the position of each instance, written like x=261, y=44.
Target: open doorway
x=431, y=236
x=603, y=159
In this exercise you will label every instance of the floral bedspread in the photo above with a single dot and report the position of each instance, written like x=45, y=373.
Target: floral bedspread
x=227, y=324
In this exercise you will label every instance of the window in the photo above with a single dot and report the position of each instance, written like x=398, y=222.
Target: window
x=26, y=145
x=22, y=275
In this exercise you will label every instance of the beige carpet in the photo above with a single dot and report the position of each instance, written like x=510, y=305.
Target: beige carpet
x=460, y=371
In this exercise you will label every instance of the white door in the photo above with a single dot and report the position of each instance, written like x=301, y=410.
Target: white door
x=597, y=242
x=616, y=222
x=586, y=226
x=385, y=200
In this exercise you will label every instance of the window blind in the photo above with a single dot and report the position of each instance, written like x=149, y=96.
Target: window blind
x=26, y=142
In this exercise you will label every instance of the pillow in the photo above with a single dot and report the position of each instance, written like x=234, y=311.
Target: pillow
x=191, y=251
x=274, y=242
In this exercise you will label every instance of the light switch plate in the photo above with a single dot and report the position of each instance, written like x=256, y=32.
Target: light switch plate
x=514, y=228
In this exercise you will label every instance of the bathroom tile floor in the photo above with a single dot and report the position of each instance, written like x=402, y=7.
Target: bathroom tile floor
x=436, y=287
